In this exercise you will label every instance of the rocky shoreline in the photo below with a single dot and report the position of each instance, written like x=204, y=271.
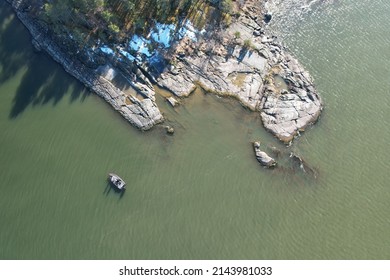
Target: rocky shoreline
x=241, y=61
x=244, y=62
x=143, y=114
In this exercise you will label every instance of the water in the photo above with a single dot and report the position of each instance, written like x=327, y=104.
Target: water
x=199, y=194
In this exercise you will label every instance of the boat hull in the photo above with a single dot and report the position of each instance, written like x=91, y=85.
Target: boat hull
x=117, y=181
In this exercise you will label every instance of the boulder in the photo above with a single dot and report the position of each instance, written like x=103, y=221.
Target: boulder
x=262, y=157
x=172, y=101
x=170, y=130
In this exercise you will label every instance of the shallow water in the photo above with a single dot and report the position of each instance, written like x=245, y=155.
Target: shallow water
x=199, y=194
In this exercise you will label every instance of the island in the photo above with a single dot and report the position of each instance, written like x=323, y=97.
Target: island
x=123, y=50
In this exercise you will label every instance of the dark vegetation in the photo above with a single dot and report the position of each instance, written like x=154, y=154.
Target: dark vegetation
x=114, y=20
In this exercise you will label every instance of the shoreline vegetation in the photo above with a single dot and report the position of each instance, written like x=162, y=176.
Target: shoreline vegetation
x=121, y=49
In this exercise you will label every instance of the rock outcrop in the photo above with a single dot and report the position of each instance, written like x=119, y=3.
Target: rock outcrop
x=142, y=113
x=263, y=157
x=255, y=69
x=289, y=102
x=240, y=61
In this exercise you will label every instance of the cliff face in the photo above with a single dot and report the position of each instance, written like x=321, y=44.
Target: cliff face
x=240, y=61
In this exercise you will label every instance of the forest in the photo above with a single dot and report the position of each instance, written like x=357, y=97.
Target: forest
x=113, y=20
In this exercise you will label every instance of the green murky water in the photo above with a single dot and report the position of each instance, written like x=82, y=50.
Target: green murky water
x=199, y=194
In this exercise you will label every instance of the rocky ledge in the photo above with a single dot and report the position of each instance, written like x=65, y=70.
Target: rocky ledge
x=143, y=112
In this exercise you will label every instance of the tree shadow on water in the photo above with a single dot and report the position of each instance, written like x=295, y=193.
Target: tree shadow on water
x=15, y=43
x=45, y=82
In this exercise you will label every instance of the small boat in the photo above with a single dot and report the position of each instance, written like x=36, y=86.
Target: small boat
x=117, y=181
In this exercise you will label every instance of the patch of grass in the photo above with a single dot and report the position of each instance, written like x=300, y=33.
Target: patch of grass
x=248, y=43
x=226, y=6
x=227, y=19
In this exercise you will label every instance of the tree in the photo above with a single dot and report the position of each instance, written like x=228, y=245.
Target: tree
x=226, y=6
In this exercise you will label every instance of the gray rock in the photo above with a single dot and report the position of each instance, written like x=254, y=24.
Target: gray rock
x=285, y=115
x=215, y=75
x=262, y=157
x=172, y=101
x=170, y=130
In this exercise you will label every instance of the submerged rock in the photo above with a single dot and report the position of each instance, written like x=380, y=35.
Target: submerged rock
x=170, y=130
x=302, y=164
x=263, y=157
x=275, y=151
